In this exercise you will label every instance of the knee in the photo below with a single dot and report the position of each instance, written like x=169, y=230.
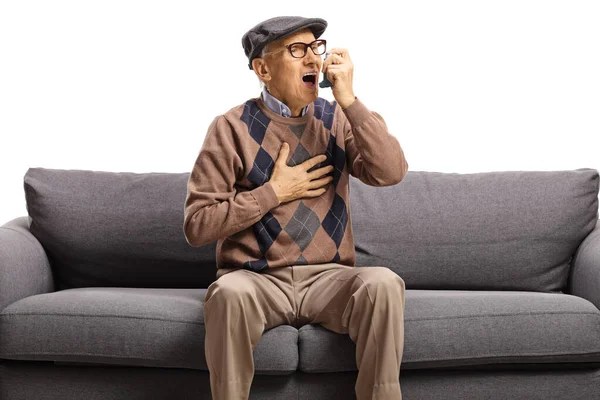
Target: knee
x=382, y=277
x=227, y=290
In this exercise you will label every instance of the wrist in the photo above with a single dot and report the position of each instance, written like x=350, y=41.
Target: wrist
x=276, y=189
x=347, y=102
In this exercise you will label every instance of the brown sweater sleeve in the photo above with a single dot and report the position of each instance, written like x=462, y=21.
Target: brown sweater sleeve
x=213, y=208
x=373, y=155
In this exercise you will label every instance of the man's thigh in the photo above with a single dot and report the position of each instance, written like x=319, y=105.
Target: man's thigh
x=328, y=297
x=265, y=295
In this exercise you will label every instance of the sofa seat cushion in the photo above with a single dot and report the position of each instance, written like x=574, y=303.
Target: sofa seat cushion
x=126, y=326
x=455, y=328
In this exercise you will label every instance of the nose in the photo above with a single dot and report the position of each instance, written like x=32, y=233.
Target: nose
x=312, y=57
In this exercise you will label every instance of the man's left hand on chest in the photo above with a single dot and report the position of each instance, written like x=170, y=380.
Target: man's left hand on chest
x=339, y=69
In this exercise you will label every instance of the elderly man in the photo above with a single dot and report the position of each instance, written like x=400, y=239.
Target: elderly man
x=271, y=186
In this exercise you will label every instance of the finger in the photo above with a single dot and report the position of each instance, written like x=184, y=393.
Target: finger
x=321, y=171
x=328, y=61
x=337, y=59
x=341, y=52
x=331, y=73
x=313, y=184
x=333, y=59
x=333, y=70
x=311, y=162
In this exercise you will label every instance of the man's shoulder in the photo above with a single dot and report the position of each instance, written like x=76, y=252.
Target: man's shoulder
x=238, y=110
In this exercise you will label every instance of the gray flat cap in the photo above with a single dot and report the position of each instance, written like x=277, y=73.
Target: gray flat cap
x=275, y=28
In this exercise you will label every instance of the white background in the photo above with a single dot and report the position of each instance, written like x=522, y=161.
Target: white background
x=465, y=86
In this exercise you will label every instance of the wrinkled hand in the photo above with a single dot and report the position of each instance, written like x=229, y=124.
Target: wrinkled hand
x=339, y=69
x=291, y=183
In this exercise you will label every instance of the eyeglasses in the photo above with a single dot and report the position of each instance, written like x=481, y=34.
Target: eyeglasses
x=298, y=49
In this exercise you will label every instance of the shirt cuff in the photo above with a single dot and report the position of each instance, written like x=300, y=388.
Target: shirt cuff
x=357, y=113
x=266, y=197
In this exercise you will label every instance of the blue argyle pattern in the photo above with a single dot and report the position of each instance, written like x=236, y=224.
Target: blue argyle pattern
x=305, y=223
x=324, y=111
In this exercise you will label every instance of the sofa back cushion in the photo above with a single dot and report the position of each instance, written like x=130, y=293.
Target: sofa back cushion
x=506, y=230
x=115, y=229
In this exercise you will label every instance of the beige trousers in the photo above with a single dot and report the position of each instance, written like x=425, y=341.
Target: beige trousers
x=367, y=303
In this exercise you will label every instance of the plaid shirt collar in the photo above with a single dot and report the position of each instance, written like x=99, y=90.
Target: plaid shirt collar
x=277, y=106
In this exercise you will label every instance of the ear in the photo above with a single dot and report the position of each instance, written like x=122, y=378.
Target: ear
x=261, y=69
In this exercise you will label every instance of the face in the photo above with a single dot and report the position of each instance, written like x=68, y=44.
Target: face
x=283, y=73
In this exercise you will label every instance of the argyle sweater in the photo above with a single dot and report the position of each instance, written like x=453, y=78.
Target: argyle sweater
x=230, y=199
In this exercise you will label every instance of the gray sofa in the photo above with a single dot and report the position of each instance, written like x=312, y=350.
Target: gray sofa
x=101, y=297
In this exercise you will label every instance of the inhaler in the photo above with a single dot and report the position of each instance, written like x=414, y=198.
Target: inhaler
x=325, y=82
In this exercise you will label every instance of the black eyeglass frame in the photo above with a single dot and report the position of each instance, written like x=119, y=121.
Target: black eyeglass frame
x=306, y=46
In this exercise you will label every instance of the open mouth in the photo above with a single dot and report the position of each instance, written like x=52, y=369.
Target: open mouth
x=310, y=79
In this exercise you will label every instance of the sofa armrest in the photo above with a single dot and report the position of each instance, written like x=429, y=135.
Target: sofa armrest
x=584, y=280
x=24, y=266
